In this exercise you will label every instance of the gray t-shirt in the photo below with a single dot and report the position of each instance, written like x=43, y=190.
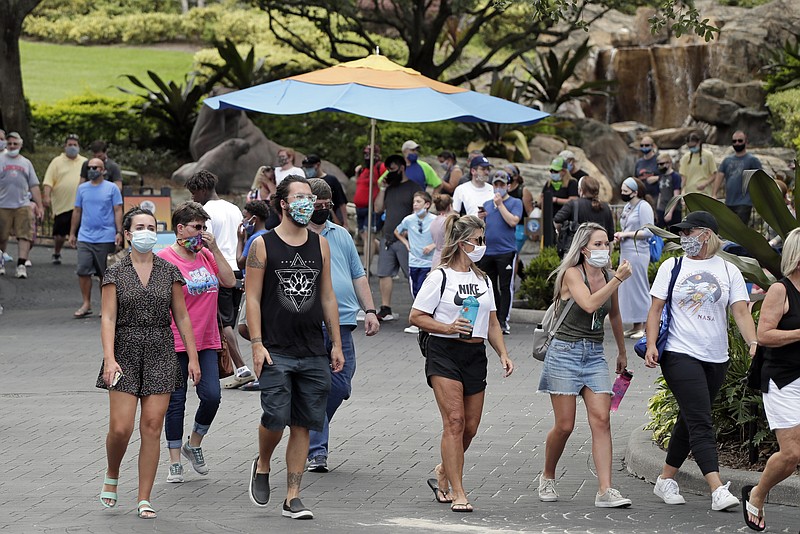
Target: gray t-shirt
x=733, y=167
x=17, y=176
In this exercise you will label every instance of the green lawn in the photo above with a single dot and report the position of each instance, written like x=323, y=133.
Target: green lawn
x=52, y=72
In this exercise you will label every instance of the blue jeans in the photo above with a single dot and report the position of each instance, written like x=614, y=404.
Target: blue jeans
x=340, y=390
x=207, y=390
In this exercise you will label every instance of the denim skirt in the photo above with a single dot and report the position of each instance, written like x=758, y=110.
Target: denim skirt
x=571, y=365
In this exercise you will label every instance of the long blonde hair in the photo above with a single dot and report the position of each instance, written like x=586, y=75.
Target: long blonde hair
x=574, y=256
x=457, y=230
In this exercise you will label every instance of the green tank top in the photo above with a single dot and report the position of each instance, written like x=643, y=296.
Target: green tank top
x=578, y=324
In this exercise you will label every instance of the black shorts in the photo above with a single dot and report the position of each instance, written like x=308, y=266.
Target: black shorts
x=228, y=302
x=454, y=359
x=62, y=223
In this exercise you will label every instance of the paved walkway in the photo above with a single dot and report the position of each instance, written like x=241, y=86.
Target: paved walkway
x=385, y=442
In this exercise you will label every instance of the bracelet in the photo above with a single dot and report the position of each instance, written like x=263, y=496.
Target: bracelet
x=371, y=311
x=618, y=278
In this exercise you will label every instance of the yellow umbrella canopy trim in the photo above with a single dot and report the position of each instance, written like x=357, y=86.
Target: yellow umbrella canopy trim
x=375, y=71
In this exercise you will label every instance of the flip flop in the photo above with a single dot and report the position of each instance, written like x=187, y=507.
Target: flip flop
x=461, y=507
x=434, y=485
x=145, y=508
x=81, y=313
x=748, y=508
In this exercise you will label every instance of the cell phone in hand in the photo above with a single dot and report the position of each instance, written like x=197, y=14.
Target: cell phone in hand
x=117, y=376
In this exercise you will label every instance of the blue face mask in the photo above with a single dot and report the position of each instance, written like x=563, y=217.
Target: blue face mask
x=250, y=227
x=555, y=176
x=143, y=240
x=412, y=158
x=311, y=172
x=570, y=167
x=694, y=149
x=501, y=191
x=646, y=149
x=301, y=211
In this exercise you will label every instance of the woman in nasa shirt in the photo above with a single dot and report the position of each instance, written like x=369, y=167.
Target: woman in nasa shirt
x=456, y=361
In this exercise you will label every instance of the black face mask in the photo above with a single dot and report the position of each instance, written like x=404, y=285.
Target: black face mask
x=662, y=169
x=320, y=216
x=625, y=197
x=740, y=147
x=394, y=177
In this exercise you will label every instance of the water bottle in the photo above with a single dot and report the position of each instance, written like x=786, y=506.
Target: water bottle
x=469, y=311
x=620, y=387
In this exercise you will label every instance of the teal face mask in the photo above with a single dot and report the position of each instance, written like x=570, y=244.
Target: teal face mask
x=301, y=211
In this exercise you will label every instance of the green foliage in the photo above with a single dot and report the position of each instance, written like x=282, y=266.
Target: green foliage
x=173, y=106
x=91, y=116
x=548, y=78
x=783, y=69
x=652, y=268
x=785, y=114
x=737, y=407
x=537, y=287
x=242, y=71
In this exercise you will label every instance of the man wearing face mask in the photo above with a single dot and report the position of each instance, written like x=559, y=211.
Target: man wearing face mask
x=469, y=198
x=286, y=165
x=669, y=185
x=289, y=296
x=396, y=196
x=61, y=182
x=352, y=294
x=697, y=165
x=648, y=162
x=18, y=183
x=98, y=211
x=572, y=164
x=418, y=171
x=732, y=171
x=562, y=185
x=99, y=150
x=503, y=213
x=312, y=167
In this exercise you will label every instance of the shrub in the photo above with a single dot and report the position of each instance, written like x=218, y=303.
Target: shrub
x=149, y=27
x=91, y=116
x=737, y=407
x=785, y=108
x=537, y=286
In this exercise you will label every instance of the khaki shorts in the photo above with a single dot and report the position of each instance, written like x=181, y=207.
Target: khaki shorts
x=16, y=221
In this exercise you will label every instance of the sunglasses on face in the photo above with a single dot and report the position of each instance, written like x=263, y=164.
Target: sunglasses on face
x=199, y=227
x=95, y=168
x=688, y=231
x=738, y=141
x=479, y=241
x=643, y=145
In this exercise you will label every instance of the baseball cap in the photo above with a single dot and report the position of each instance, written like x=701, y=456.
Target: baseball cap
x=410, y=145
x=557, y=164
x=479, y=161
x=311, y=160
x=698, y=219
x=566, y=154
x=500, y=176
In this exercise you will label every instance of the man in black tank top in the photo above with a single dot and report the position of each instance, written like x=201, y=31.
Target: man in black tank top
x=289, y=294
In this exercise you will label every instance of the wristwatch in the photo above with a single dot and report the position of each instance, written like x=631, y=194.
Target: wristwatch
x=371, y=311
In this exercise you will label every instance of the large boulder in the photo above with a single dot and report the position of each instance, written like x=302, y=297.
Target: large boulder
x=606, y=149
x=711, y=109
x=670, y=138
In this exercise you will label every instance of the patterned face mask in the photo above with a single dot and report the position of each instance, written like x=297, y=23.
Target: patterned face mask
x=192, y=244
x=691, y=245
x=301, y=211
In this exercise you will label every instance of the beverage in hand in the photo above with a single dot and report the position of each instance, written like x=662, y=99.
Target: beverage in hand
x=469, y=311
x=619, y=388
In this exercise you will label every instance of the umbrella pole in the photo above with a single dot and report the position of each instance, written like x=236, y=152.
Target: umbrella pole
x=368, y=247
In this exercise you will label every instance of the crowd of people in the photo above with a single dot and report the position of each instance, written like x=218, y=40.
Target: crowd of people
x=284, y=273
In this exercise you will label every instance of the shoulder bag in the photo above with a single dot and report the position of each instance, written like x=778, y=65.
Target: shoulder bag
x=545, y=330
x=422, y=335
x=568, y=229
x=640, y=348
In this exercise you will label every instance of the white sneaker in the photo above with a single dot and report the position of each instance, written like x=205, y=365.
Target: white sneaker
x=412, y=330
x=2, y=270
x=722, y=499
x=547, y=489
x=669, y=492
x=28, y=263
x=611, y=499
x=22, y=272
x=175, y=473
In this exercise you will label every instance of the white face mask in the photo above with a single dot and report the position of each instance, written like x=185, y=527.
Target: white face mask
x=598, y=258
x=477, y=253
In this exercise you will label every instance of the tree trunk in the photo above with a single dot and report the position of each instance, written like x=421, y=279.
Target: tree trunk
x=13, y=116
x=184, y=6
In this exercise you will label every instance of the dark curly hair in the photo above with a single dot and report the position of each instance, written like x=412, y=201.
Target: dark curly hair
x=259, y=208
x=202, y=180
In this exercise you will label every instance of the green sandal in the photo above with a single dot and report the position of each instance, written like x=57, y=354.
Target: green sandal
x=111, y=495
x=145, y=508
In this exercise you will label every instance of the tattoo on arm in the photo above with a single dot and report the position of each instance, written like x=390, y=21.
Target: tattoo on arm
x=293, y=480
x=253, y=261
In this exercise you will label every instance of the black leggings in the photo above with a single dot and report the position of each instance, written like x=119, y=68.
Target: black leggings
x=695, y=385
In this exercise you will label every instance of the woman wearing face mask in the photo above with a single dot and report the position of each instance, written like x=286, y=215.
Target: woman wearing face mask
x=139, y=363
x=452, y=172
x=196, y=254
x=695, y=358
x=575, y=365
x=456, y=361
x=633, y=247
x=286, y=165
x=562, y=185
x=697, y=166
